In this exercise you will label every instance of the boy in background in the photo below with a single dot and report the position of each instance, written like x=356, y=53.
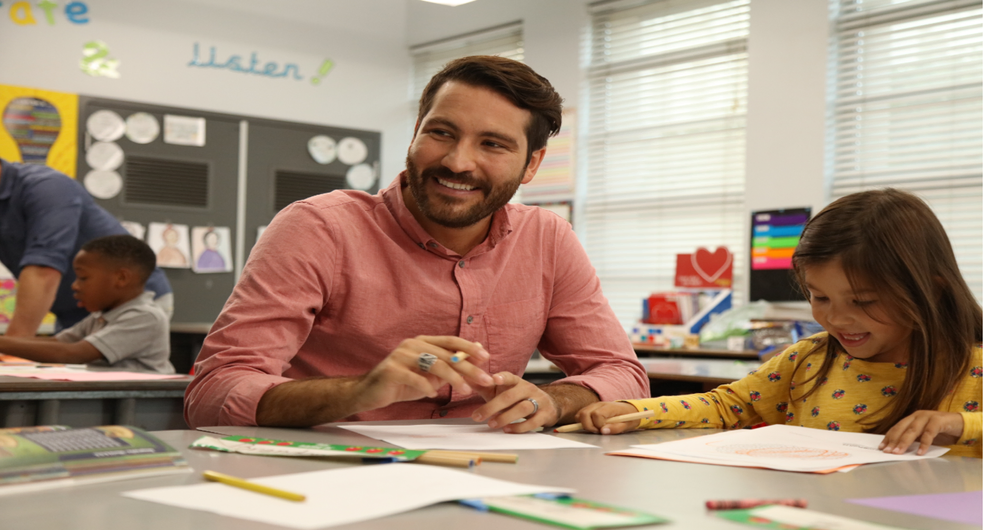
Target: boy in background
x=124, y=329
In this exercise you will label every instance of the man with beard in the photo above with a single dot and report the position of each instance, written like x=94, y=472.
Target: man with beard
x=360, y=307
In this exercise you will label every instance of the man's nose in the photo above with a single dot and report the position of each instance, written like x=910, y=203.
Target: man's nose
x=460, y=158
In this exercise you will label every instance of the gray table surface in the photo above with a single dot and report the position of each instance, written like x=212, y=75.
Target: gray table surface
x=673, y=490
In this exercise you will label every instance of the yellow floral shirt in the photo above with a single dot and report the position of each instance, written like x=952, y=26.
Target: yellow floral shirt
x=853, y=390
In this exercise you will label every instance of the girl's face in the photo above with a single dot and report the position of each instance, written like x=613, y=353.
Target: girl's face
x=859, y=320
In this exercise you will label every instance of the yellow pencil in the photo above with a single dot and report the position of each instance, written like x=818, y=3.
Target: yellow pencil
x=615, y=419
x=246, y=485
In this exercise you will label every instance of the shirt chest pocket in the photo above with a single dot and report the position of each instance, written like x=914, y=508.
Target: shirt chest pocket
x=514, y=329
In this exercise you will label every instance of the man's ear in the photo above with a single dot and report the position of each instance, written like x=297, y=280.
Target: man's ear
x=534, y=165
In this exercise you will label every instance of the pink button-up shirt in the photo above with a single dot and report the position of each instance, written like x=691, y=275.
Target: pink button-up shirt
x=339, y=280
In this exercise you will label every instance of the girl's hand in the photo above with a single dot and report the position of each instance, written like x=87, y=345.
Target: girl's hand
x=928, y=426
x=593, y=417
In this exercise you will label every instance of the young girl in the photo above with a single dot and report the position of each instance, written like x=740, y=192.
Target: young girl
x=901, y=355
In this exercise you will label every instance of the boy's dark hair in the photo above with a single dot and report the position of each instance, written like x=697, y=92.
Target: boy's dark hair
x=126, y=251
x=513, y=80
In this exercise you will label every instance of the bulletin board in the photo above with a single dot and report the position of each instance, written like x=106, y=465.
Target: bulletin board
x=191, y=181
x=39, y=126
x=775, y=234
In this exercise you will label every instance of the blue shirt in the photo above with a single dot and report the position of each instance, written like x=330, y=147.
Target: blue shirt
x=45, y=217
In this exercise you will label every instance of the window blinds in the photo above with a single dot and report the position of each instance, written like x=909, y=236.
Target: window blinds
x=429, y=59
x=665, y=141
x=906, y=110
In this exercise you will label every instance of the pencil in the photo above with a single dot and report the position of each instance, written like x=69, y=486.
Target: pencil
x=252, y=486
x=504, y=458
x=458, y=357
x=743, y=504
x=615, y=419
x=454, y=460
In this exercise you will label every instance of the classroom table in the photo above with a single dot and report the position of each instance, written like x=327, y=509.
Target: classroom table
x=712, y=372
x=673, y=490
x=149, y=404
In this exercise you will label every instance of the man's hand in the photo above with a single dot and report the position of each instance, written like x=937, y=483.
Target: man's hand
x=399, y=378
x=511, y=398
x=929, y=427
x=593, y=418
x=308, y=402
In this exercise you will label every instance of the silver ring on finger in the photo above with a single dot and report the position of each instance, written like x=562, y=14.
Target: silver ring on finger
x=536, y=406
x=425, y=361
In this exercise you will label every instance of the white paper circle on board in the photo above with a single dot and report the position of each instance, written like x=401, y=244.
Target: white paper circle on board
x=105, y=125
x=360, y=177
x=322, y=149
x=142, y=128
x=104, y=155
x=103, y=184
x=352, y=151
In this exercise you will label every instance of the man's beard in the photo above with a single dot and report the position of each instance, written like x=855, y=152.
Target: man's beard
x=441, y=210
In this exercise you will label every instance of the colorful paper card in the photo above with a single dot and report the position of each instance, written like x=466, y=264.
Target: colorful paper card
x=252, y=445
x=566, y=511
x=964, y=507
x=789, y=518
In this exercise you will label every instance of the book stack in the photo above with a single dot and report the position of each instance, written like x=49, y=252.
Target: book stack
x=35, y=458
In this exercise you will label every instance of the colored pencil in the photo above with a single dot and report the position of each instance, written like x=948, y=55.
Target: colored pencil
x=743, y=504
x=615, y=419
x=458, y=357
x=504, y=458
x=454, y=460
x=252, y=486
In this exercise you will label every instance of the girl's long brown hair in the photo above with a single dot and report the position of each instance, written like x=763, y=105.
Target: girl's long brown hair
x=890, y=241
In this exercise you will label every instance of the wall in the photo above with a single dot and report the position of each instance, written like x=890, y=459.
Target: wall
x=787, y=80
x=153, y=41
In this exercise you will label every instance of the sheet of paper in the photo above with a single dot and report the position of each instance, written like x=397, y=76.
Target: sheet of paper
x=58, y=374
x=799, y=518
x=340, y=496
x=781, y=447
x=460, y=437
x=962, y=507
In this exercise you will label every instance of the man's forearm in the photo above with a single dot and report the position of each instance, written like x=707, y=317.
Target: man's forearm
x=36, y=290
x=569, y=399
x=307, y=402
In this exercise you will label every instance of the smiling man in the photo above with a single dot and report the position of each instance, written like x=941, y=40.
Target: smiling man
x=358, y=307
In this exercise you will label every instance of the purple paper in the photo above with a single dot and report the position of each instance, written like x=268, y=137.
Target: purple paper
x=964, y=507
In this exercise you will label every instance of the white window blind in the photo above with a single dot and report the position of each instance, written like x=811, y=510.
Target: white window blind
x=429, y=59
x=665, y=140
x=906, y=110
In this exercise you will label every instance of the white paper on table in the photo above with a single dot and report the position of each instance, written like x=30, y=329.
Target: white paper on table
x=340, y=496
x=460, y=437
x=801, y=518
x=782, y=447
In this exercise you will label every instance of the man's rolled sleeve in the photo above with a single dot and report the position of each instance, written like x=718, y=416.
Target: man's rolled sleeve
x=264, y=323
x=583, y=337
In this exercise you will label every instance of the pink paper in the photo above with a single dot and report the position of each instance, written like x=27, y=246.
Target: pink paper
x=96, y=376
x=963, y=507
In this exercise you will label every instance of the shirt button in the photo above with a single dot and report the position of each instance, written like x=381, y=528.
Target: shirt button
x=469, y=320
x=461, y=264
x=443, y=413
x=421, y=245
x=432, y=244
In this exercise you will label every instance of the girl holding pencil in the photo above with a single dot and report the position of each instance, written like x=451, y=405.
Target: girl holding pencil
x=901, y=354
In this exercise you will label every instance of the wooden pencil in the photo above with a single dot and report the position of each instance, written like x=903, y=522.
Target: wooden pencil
x=448, y=460
x=504, y=458
x=615, y=419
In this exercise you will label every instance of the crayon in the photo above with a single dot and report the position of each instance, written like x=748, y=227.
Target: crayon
x=742, y=504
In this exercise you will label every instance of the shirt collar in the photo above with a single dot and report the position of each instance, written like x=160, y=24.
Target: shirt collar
x=114, y=313
x=393, y=197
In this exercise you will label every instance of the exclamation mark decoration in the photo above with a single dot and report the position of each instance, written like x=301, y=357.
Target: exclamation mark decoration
x=323, y=71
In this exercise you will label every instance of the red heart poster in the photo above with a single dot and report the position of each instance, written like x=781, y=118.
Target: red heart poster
x=705, y=269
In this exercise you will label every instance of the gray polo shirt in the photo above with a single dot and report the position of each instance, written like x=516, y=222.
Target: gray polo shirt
x=133, y=336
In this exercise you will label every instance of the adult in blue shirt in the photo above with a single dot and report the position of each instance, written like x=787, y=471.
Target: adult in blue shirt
x=45, y=217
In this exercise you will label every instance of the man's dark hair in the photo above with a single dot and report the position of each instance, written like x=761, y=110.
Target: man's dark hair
x=125, y=251
x=513, y=80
